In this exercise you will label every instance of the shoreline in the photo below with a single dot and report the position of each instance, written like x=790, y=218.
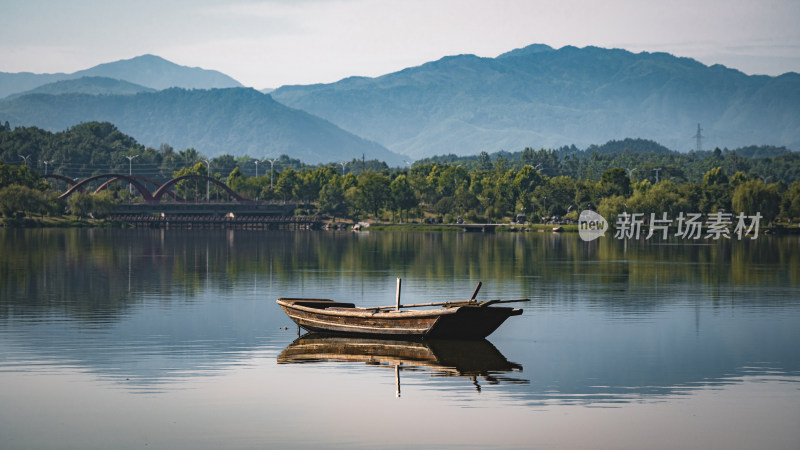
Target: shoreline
x=61, y=222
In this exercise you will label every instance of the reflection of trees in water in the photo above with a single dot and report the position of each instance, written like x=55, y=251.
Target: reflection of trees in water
x=97, y=276
x=86, y=272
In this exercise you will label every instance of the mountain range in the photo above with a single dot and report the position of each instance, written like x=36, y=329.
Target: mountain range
x=538, y=96
x=147, y=70
x=234, y=121
x=157, y=102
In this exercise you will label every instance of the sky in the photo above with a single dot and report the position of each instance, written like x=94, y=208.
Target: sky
x=270, y=43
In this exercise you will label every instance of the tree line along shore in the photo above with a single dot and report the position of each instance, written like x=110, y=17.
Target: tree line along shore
x=633, y=175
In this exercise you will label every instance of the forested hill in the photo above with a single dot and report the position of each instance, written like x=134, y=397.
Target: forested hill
x=147, y=70
x=234, y=121
x=95, y=148
x=81, y=151
x=542, y=97
x=87, y=85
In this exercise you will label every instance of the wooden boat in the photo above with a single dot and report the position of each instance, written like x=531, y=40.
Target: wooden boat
x=461, y=319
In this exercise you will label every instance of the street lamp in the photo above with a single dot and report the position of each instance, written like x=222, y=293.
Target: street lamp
x=545, y=205
x=208, y=182
x=25, y=159
x=130, y=171
x=271, y=164
x=45, y=166
x=256, y=162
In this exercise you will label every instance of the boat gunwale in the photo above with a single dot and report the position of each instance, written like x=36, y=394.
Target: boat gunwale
x=371, y=313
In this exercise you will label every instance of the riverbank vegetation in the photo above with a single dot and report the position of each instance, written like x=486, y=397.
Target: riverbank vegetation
x=543, y=185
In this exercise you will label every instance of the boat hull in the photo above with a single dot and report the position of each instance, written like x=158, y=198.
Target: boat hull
x=462, y=322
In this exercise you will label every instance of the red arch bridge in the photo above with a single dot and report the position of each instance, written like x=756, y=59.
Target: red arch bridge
x=154, y=211
x=140, y=183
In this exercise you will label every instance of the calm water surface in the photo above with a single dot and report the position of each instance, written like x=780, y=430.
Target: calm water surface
x=172, y=339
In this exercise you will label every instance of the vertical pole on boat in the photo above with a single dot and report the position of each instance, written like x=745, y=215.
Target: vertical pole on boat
x=475, y=294
x=397, y=297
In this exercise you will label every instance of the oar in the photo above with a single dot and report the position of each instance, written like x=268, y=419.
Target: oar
x=492, y=302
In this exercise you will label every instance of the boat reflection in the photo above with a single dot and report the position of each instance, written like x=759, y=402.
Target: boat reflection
x=449, y=358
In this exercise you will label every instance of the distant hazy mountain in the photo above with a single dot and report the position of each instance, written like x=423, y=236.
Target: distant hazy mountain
x=87, y=85
x=158, y=73
x=540, y=97
x=146, y=70
x=234, y=121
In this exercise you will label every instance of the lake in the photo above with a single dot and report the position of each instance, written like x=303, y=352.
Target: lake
x=172, y=339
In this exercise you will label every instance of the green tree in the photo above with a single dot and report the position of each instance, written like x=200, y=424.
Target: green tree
x=310, y=183
x=693, y=194
x=190, y=157
x=465, y=201
x=332, y=199
x=450, y=179
x=80, y=204
x=560, y=194
x=737, y=179
x=715, y=176
x=236, y=180
x=484, y=161
x=402, y=195
x=790, y=203
x=664, y=197
x=586, y=194
x=753, y=197
x=527, y=180
x=286, y=186
x=611, y=207
x=615, y=182
x=17, y=200
x=528, y=156
x=22, y=176
x=190, y=189
x=445, y=205
x=373, y=192
x=500, y=195
x=103, y=204
x=716, y=191
x=223, y=164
